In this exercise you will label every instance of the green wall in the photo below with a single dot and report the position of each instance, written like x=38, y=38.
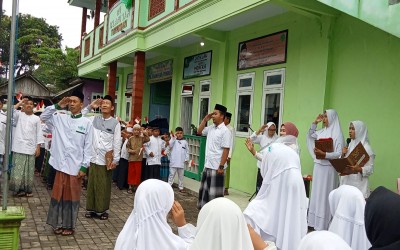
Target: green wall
x=365, y=86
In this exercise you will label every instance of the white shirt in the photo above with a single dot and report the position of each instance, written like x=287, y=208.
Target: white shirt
x=179, y=153
x=71, y=146
x=124, y=151
x=3, y=123
x=104, y=142
x=233, y=134
x=218, y=138
x=155, y=146
x=28, y=133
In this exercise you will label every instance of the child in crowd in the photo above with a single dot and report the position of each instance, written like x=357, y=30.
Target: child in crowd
x=153, y=149
x=179, y=157
x=135, y=149
x=165, y=159
x=121, y=172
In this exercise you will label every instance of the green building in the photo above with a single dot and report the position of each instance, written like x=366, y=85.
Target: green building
x=279, y=60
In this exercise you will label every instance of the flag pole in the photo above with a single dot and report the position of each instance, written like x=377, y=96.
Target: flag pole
x=9, y=103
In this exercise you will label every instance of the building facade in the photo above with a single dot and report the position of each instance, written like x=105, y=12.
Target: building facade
x=278, y=60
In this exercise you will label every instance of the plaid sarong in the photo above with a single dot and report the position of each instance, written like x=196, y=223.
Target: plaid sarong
x=211, y=187
x=164, y=171
x=21, y=179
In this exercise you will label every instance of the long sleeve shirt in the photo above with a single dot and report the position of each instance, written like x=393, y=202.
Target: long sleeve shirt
x=312, y=136
x=233, y=134
x=72, y=137
x=27, y=134
x=106, y=137
x=136, y=143
x=155, y=146
x=179, y=153
x=3, y=121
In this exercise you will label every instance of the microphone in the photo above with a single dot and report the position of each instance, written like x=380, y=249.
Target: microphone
x=348, y=140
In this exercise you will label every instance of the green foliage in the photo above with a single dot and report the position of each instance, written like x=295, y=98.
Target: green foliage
x=39, y=51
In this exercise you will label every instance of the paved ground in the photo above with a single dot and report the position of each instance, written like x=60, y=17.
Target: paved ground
x=90, y=233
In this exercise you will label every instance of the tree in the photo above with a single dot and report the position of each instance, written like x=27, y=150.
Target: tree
x=56, y=67
x=32, y=33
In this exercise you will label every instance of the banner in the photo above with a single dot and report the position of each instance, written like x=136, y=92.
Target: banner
x=197, y=65
x=160, y=71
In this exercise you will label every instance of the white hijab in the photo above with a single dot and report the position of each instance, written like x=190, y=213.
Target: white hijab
x=332, y=131
x=290, y=141
x=147, y=227
x=280, y=207
x=323, y=240
x=361, y=135
x=221, y=225
x=347, y=206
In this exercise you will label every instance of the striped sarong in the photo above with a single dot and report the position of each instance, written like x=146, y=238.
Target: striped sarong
x=64, y=204
x=164, y=170
x=22, y=173
x=211, y=187
x=98, y=189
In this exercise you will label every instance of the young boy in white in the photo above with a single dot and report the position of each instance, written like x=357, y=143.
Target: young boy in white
x=179, y=157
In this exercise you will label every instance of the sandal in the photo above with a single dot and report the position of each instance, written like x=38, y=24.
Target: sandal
x=90, y=214
x=21, y=194
x=130, y=191
x=104, y=216
x=67, y=232
x=58, y=231
x=29, y=195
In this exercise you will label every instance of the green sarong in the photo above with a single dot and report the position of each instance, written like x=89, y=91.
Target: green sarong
x=21, y=179
x=98, y=189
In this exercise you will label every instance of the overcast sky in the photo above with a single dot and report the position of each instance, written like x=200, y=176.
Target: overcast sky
x=56, y=12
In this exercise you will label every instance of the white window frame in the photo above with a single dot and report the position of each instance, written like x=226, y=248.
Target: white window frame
x=244, y=91
x=204, y=95
x=274, y=89
x=186, y=95
x=129, y=101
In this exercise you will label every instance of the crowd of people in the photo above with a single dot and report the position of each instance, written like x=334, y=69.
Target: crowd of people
x=96, y=148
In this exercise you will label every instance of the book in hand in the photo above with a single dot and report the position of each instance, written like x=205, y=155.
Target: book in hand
x=358, y=156
x=109, y=158
x=325, y=145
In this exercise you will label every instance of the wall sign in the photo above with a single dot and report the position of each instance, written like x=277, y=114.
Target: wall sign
x=262, y=51
x=197, y=65
x=160, y=71
x=119, y=21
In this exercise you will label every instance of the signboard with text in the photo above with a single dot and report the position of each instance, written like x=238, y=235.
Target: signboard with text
x=262, y=51
x=197, y=65
x=119, y=21
x=160, y=71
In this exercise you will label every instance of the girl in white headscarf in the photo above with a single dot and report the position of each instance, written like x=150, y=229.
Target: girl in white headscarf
x=147, y=227
x=264, y=136
x=323, y=240
x=355, y=175
x=325, y=178
x=347, y=206
x=220, y=226
x=279, y=211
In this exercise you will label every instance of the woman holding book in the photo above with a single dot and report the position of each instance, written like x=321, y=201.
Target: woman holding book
x=355, y=175
x=325, y=178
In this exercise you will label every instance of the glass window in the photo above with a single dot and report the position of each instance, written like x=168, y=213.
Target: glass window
x=205, y=88
x=245, y=82
x=243, y=113
x=272, y=108
x=274, y=79
x=204, y=107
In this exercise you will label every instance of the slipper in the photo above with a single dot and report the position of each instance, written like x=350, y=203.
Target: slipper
x=29, y=195
x=130, y=191
x=58, y=231
x=104, y=216
x=21, y=194
x=90, y=214
x=67, y=232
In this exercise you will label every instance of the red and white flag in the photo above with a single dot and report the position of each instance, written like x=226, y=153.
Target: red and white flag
x=19, y=96
x=192, y=163
x=38, y=106
x=137, y=120
x=41, y=104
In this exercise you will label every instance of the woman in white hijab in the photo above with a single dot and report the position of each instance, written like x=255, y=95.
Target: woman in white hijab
x=147, y=227
x=264, y=136
x=355, y=175
x=325, y=177
x=323, y=240
x=347, y=207
x=220, y=226
x=279, y=211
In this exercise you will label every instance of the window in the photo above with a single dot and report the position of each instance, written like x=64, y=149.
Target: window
x=116, y=113
x=244, y=103
x=94, y=97
x=204, y=98
x=273, y=87
x=128, y=109
x=187, y=107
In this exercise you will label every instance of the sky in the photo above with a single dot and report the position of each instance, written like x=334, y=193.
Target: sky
x=56, y=12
